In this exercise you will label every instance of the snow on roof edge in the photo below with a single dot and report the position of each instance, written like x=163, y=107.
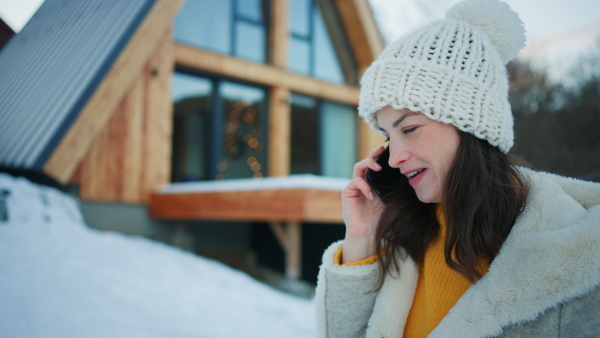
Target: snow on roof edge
x=305, y=181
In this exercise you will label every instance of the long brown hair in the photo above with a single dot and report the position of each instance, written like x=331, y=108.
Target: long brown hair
x=483, y=196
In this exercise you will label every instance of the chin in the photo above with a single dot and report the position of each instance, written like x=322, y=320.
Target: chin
x=424, y=197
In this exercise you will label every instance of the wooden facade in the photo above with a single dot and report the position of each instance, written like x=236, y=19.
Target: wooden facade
x=119, y=147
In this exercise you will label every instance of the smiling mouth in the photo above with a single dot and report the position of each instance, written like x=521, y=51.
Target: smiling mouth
x=414, y=173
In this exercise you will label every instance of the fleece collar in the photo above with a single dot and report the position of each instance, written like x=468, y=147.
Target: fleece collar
x=550, y=257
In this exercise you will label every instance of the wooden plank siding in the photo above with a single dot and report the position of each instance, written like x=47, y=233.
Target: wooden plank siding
x=98, y=111
x=132, y=154
x=103, y=174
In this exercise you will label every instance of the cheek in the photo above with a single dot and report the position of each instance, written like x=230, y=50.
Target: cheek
x=444, y=148
x=449, y=153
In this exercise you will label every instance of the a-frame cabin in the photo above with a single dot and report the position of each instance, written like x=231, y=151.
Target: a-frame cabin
x=119, y=98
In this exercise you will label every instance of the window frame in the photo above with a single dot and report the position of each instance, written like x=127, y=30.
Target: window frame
x=319, y=103
x=348, y=62
x=235, y=18
x=216, y=129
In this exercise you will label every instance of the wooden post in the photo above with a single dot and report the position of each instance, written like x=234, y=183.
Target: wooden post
x=293, y=258
x=279, y=132
x=279, y=107
x=289, y=237
x=158, y=120
x=279, y=32
x=368, y=139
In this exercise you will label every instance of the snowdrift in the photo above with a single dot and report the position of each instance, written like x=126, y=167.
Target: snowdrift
x=59, y=278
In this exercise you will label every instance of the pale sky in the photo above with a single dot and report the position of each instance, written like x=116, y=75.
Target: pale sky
x=551, y=25
x=558, y=32
x=395, y=17
x=16, y=13
x=541, y=17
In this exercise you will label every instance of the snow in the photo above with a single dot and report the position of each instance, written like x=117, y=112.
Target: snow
x=305, y=181
x=59, y=278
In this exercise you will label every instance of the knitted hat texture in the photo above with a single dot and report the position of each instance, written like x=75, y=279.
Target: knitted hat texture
x=452, y=70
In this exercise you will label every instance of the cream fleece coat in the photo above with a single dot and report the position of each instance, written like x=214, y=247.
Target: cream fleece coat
x=548, y=268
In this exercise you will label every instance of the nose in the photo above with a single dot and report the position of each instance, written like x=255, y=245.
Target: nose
x=398, y=155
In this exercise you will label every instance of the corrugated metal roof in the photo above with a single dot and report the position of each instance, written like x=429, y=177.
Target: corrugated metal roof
x=50, y=69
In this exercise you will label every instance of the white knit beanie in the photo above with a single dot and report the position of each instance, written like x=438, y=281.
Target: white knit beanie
x=453, y=71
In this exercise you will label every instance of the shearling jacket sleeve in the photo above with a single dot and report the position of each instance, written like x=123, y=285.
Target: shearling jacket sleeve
x=344, y=297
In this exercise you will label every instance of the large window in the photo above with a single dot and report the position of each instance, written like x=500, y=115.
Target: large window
x=243, y=146
x=233, y=27
x=193, y=105
x=323, y=137
x=318, y=45
x=218, y=129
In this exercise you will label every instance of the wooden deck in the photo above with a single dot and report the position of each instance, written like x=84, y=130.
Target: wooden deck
x=285, y=208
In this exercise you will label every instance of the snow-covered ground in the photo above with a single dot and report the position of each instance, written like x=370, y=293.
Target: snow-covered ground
x=59, y=278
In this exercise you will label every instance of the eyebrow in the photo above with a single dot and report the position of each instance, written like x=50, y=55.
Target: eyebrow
x=398, y=121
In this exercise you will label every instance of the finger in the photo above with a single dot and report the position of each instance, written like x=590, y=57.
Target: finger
x=359, y=186
x=361, y=167
x=376, y=152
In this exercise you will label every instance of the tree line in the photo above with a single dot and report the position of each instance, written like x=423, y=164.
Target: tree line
x=557, y=123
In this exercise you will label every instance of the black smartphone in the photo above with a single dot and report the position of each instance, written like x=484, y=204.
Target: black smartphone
x=383, y=181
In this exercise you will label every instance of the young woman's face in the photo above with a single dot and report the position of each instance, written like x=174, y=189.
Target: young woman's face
x=423, y=149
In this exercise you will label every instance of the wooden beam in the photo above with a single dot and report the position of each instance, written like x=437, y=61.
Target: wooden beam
x=300, y=205
x=361, y=29
x=262, y=74
x=339, y=40
x=278, y=34
x=289, y=236
x=158, y=120
x=101, y=106
x=293, y=257
x=369, y=139
x=280, y=143
x=132, y=143
x=278, y=230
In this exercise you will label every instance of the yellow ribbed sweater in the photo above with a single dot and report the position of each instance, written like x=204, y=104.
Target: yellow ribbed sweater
x=438, y=287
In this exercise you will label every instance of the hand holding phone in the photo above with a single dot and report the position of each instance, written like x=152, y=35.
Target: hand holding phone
x=361, y=209
x=383, y=181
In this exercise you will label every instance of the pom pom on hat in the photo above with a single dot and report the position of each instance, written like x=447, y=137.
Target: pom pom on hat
x=495, y=18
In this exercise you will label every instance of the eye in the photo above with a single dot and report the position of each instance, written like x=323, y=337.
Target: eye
x=409, y=130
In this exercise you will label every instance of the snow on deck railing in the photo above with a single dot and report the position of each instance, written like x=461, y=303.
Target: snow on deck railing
x=306, y=181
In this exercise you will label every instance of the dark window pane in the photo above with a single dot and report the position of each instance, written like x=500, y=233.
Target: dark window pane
x=327, y=64
x=205, y=24
x=338, y=139
x=250, y=42
x=243, y=148
x=299, y=11
x=305, y=135
x=191, y=97
x=299, y=56
x=251, y=9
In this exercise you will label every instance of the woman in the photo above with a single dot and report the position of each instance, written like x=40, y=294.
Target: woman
x=467, y=244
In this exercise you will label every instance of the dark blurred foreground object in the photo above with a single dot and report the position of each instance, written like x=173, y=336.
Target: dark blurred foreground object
x=4, y=193
x=5, y=33
x=35, y=177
